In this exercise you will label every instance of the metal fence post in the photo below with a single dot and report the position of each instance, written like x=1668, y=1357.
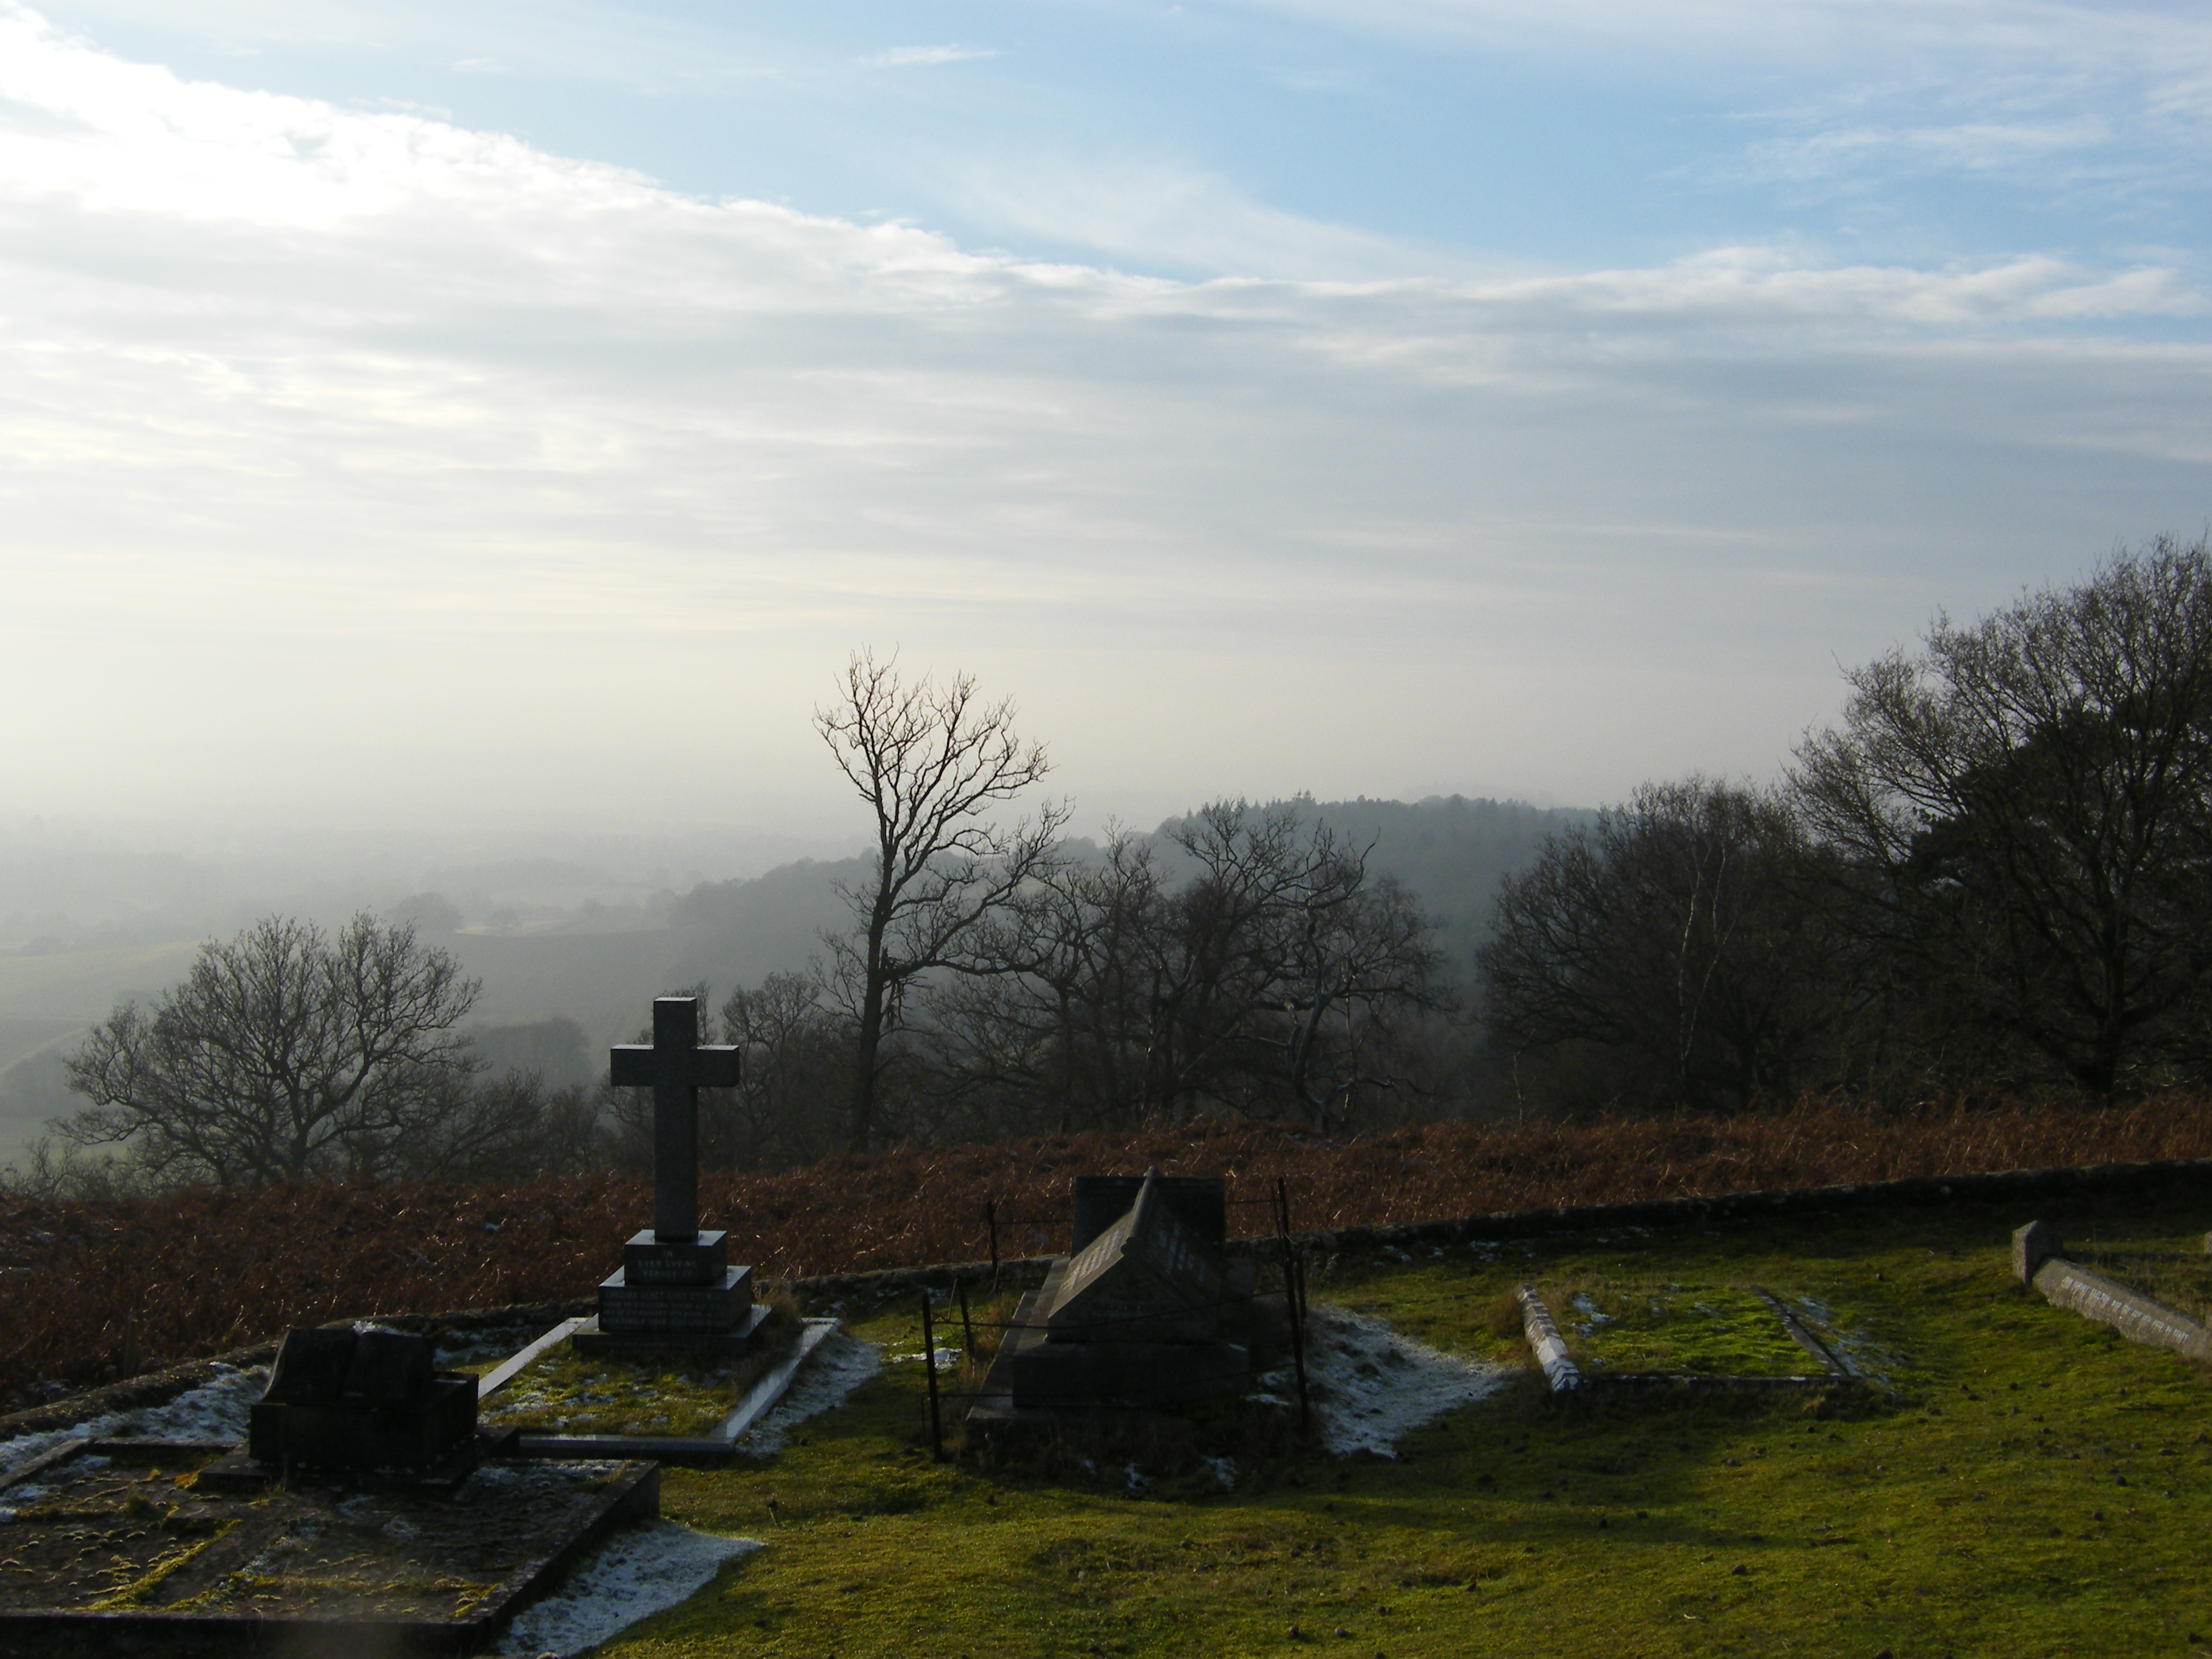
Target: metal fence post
x=929, y=1366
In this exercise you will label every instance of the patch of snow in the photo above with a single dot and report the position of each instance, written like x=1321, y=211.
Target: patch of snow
x=219, y=1409
x=1858, y=1354
x=1376, y=1386
x=1225, y=1471
x=1136, y=1481
x=840, y=1365
x=456, y=1348
x=1593, y=1315
x=947, y=1358
x=634, y=1575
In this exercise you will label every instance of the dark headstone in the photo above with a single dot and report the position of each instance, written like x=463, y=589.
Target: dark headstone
x=1201, y=1203
x=676, y=1067
x=389, y=1368
x=1145, y=1278
x=676, y=1285
x=1147, y=1311
x=357, y=1401
x=311, y=1367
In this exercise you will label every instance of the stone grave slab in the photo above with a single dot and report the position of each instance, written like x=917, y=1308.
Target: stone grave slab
x=124, y=1547
x=1722, y=1338
x=679, y=1406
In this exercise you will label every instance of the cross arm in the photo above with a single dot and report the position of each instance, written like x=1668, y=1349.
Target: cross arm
x=629, y=1066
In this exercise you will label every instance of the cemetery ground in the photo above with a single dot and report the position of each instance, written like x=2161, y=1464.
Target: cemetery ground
x=93, y=1291
x=2008, y=1478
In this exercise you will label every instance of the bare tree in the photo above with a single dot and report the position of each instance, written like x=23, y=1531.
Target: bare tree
x=932, y=762
x=1274, y=976
x=1675, y=939
x=796, y=1050
x=2026, y=805
x=285, y=1053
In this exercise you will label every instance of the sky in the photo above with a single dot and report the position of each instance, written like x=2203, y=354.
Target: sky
x=498, y=416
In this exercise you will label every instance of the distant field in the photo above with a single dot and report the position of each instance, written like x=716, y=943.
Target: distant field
x=47, y=1001
x=80, y=986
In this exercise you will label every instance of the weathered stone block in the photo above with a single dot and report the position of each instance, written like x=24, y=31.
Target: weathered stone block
x=1146, y=1278
x=355, y=1401
x=1126, y=1373
x=1200, y=1203
x=675, y=1310
x=649, y=1259
x=2031, y=1246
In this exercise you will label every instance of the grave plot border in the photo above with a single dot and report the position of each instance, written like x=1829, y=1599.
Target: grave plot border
x=2039, y=1263
x=1568, y=1380
x=634, y=1495
x=691, y=1451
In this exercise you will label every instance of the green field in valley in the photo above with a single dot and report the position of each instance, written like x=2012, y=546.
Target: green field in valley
x=2012, y=1480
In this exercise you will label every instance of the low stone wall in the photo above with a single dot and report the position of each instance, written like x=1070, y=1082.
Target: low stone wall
x=2084, y=1181
x=155, y=1387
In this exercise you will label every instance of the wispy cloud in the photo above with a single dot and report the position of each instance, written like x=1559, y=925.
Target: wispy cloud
x=344, y=450
x=903, y=56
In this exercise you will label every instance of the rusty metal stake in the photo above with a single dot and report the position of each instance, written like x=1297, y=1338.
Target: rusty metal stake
x=929, y=1366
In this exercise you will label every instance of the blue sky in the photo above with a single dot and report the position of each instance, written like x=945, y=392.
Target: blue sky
x=427, y=411
x=1626, y=134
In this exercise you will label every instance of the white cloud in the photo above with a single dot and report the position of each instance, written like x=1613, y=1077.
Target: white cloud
x=903, y=57
x=358, y=458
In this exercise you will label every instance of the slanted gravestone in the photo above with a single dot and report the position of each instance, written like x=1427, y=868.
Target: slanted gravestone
x=1148, y=1311
x=675, y=1286
x=350, y=1403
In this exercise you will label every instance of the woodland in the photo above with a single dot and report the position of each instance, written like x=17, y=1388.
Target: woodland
x=1988, y=879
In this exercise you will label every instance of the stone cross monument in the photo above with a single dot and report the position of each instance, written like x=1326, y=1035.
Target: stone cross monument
x=676, y=1067
x=676, y=1285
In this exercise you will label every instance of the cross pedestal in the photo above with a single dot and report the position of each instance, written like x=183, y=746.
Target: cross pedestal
x=675, y=1286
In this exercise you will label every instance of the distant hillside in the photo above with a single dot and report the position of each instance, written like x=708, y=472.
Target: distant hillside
x=598, y=968
x=1450, y=850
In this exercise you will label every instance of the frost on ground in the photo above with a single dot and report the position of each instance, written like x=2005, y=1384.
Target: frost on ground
x=1374, y=1386
x=633, y=1576
x=1858, y=1354
x=840, y=1365
x=219, y=1409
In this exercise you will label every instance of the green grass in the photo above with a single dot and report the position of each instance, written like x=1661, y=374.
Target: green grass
x=2021, y=1482
x=564, y=1392
x=1646, y=1325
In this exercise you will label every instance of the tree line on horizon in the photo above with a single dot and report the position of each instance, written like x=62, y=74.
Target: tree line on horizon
x=1992, y=875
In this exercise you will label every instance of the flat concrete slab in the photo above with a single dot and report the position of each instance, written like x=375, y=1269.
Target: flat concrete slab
x=113, y=1546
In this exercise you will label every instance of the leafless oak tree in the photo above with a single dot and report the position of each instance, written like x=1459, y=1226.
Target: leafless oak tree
x=2029, y=801
x=285, y=1053
x=1675, y=936
x=932, y=761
